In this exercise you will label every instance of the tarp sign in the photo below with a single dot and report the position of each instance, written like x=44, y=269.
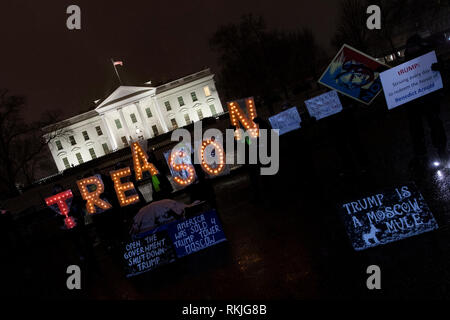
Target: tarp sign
x=324, y=105
x=354, y=74
x=386, y=216
x=286, y=120
x=152, y=250
x=196, y=233
x=410, y=80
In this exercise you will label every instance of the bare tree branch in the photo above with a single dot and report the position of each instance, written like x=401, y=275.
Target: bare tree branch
x=21, y=143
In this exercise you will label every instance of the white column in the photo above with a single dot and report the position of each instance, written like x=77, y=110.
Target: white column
x=109, y=132
x=160, y=116
x=125, y=125
x=143, y=120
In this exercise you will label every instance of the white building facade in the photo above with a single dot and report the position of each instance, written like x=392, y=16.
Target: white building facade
x=134, y=113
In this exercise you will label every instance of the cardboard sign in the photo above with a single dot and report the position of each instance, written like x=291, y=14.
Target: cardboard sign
x=196, y=233
x=324, y=105
x=151, y=250
x=286, y=120
x=410, y=80
x=168, y=242
x=387, y=216
x=354, y=74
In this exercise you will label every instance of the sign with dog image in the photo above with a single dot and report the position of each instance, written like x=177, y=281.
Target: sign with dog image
x=387, y=216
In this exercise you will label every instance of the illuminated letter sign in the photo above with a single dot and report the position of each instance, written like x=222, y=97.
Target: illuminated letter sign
x=237, y=115
x=122, y=187
x=218, y=148
x=140, y=161
x=92, y=198
x=187, y=168
x=60, y=200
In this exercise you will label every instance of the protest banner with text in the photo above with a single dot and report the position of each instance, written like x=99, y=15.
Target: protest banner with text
x=410, y=80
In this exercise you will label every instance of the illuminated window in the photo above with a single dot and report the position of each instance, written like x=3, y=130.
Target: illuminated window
x=174, y=123
x=99, y=130
x=105, y=148
x=72, y=140
x=85, y=135
x=66, y=162
x=92, y=152
x=155, y=130
x=124, y=140
x=194, y=96
x=200, y=114
x=206, y=91
x=187, y=119
x=58, y=145
x=149, y=112
x=213, y=110
x=167, y=104
x=79, y=158
x=133, y=118
x=181, y=101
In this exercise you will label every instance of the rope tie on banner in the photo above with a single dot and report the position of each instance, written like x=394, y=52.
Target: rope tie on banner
x=155, y=182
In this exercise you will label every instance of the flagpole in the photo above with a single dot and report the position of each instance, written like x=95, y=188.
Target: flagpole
x=117, y=73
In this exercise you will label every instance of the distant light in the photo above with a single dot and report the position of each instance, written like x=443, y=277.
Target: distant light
x=439, y=173
x=436, y=163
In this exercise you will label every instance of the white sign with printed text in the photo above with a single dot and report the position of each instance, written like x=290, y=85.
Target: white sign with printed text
x=410, y=80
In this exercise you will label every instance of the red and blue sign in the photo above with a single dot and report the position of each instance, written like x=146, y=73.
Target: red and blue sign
x=354, y=74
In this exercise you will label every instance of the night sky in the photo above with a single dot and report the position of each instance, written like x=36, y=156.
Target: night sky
x=64, y=70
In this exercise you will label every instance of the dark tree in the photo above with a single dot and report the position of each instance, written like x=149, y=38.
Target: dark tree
x=351, y=28
x=399, y=19
x=266, y=64
x=402, y=18
x=21, y=143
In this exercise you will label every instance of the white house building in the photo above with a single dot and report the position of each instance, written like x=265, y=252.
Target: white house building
x=133, y=113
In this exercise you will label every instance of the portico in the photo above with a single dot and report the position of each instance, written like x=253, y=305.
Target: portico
x=132, y=113
x=123, y=116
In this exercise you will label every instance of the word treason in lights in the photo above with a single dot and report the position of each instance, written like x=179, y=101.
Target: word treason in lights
x=141, y=164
